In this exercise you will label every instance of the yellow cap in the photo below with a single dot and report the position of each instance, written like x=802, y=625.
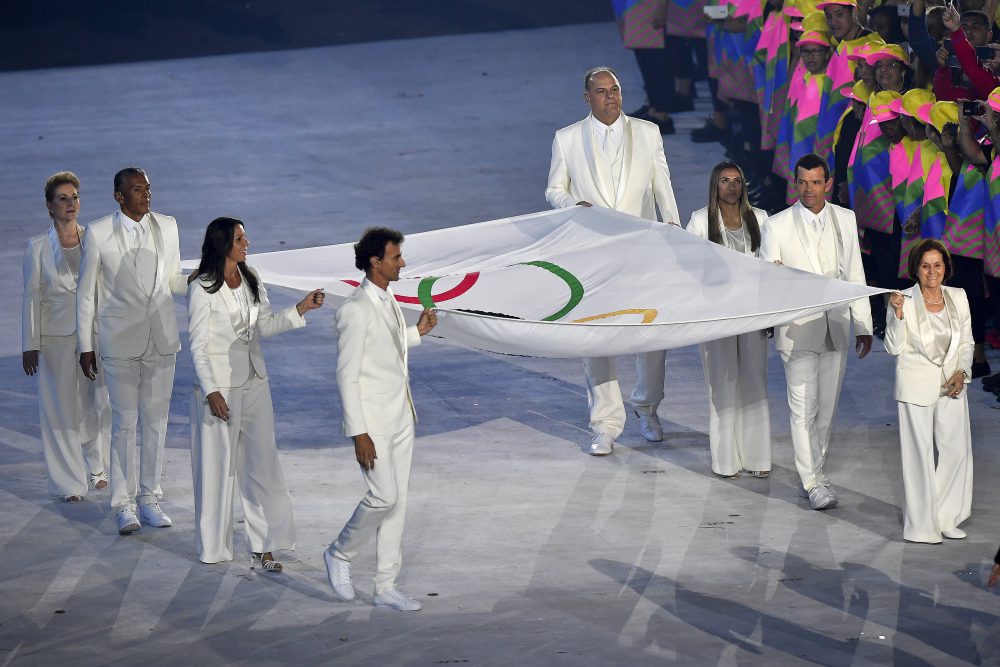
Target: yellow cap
x=880, y=104
x=917, y=104
x=814, y=37
x=868, y=47
x=994, y=99
x=845, y=3
x=888, y=52
x=815, y=21
x=943, y=113
x=859, y=91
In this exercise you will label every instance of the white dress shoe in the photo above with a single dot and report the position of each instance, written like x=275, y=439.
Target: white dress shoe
x=602, y=444
x=151, y=515
x=822, y=498
x=649, y=427
x=954, y=534
x=338, y=572
x=396, y=599
x=127, y=521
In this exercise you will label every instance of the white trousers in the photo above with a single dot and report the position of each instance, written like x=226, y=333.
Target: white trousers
x=937, y=497
x=739, y=423
x=75, y=418
x=139, y=390
x=607, y=408
x=382, y=511
x=238, y=454
x=813, y=382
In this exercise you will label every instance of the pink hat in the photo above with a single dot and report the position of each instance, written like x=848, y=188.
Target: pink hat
x=888, y=52
x=994, y=99
x=880, y=105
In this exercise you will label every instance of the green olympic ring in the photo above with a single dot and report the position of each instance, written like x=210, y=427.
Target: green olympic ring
x=576, y=291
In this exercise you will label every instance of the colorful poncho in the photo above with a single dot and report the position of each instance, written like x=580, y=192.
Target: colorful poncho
x=868, y=179
x=805, y=128
x=770, y=60
x=964, y=232
x=991, y=247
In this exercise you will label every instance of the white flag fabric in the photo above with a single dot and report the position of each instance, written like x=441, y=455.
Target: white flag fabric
x=576, y=282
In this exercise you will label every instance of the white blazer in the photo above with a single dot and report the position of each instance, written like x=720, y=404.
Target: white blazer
x=124, y=316
x=918, y=379
x=574, y=176
x=49, y=304
x=372, y=374
x=698, y=224
x=782, y=239
x=221, y=357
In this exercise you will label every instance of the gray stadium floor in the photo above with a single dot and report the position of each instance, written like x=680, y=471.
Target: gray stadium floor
x=523, y=549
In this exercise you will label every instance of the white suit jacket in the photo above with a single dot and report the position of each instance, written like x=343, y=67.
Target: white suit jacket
x=221, y=357
x=372, y=374
x=782, y=239
x=49, y=305
x=645, y=179
x=918, y=379
x=124, y=316
x=698, y=224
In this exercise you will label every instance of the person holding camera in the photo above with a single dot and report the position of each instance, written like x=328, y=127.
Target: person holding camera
x=961, y=74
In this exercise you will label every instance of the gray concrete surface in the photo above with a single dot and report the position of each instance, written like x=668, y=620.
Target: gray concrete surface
x=523, y=549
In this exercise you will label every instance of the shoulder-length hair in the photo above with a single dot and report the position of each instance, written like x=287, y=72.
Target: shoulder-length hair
x=917, y=255
x=219, y=238
x=746, y=211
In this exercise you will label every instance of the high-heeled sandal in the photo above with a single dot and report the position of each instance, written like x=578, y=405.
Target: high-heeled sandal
x=99, y=480
x=72, y=498
x=760, y=474
x=267, y=562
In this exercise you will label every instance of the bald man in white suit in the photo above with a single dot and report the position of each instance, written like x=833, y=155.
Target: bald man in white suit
x=131, y=266
x=613, y=161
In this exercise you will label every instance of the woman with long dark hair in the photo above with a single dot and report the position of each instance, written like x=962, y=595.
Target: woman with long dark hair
x=232, y=419
x=739, y=424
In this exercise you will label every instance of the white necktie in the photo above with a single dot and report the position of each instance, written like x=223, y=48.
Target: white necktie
x=607, y=138
x=138, y=232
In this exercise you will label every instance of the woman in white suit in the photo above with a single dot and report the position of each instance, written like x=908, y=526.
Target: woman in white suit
x=739, y=424
x=232, y=419
x=929, y=330
x=74, y=412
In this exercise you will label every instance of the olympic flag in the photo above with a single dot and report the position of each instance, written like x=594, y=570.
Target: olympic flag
x=576, y=282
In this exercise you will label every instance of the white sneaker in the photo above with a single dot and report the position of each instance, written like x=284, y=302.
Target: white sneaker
x=151, y=515
x=127, y=521
x=396, y=599
x=822, y=498
x=649, y=427
x=954, y=534
x=338, y=572
x=602, y=444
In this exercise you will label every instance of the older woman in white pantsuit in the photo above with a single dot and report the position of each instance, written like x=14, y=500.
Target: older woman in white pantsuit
x=74, y=412
x=739, y=424
x=232, y=419
x=929, y=330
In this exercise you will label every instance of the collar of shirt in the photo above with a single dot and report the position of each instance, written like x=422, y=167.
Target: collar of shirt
x=130, y=224
x=817, y=220
x=600, y=129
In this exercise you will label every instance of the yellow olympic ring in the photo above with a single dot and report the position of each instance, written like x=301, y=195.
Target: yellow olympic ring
x=648, y=315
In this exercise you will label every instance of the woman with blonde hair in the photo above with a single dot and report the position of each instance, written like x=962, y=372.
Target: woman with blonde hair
x=739, y=424
x=74, y=412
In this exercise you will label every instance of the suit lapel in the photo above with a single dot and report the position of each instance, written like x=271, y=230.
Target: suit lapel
x=123, y=247
x=593, y=162
x=800, y=231
x=383, y=313
x=926, y=337
x=59, y=264
x=154, y=228
x=233, y=306
x=627, y=148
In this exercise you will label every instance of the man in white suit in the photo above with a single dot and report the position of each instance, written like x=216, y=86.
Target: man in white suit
x=816, y=236
x=613, y=161
x=130, y=267
x=374, y=386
